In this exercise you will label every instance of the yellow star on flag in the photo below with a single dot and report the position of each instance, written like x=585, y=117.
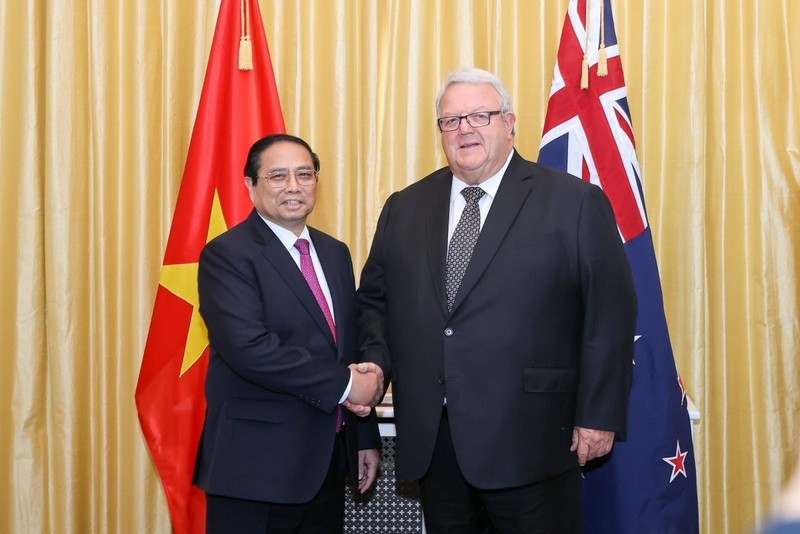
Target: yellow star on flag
x=181, y=280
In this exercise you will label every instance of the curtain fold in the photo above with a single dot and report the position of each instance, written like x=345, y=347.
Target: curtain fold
x=97, y=104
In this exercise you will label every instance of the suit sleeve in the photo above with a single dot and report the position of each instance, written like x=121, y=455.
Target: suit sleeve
x=232, y=305
x=369, y=436
x=610, y=304
x=372, y=300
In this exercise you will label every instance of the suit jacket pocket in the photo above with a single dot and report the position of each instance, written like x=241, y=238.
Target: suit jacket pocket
x=551, y=239
x=267, y=411
x=550, y=380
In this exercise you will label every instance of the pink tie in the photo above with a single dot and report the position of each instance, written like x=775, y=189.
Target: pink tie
x=307, y=267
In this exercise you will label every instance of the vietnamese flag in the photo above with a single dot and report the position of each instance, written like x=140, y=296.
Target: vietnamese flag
x=238, y=105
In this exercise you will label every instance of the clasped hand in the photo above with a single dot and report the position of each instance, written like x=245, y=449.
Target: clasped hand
x=367, y=388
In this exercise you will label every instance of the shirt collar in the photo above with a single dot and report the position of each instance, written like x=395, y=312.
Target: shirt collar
x=490, y=186
x=286, y=237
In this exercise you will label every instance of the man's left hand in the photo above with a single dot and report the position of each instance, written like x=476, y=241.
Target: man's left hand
x=368, y=461
x=591, y=444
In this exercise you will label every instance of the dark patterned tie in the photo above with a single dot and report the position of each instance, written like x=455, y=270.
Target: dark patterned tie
x=462, y=242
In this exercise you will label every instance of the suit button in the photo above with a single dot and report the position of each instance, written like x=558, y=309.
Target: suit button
x=440, y=380
x=448, y=332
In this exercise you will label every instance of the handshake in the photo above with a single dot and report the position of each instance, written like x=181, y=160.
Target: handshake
x=367, y=388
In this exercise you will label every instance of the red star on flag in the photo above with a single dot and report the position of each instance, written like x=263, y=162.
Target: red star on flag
x=677, y=462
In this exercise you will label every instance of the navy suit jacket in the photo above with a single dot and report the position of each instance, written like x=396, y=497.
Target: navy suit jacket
x=540, y=338
x=275, y=376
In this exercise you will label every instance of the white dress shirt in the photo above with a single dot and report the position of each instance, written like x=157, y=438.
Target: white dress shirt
x=458, y=202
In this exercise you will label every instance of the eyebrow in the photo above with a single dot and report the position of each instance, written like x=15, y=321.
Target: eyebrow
x=299, y=168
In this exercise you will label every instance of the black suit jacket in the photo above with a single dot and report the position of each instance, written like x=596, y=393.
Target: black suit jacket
x=540, y=338
x=275, y=375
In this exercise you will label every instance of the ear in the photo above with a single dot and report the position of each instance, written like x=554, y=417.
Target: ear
x=248, y=182
x=510, y=119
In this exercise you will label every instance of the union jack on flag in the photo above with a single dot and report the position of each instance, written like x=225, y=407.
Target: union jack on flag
x=648, y=483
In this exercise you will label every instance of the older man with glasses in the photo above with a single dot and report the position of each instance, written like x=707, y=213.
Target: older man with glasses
x=498, y=297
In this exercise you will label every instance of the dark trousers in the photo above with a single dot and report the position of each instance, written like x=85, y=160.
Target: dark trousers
x=452, y=506
x=324, y=514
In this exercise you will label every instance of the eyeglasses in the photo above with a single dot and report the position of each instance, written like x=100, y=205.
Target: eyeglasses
x=280, y=178
x=476, y=120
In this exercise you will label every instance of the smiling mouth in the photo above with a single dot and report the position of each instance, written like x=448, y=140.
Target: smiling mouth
x=292, y=202
x=468, y=145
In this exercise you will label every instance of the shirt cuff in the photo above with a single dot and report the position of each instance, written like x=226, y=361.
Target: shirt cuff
x=347, y=389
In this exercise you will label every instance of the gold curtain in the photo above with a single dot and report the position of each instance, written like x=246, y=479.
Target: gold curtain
x=97, y=102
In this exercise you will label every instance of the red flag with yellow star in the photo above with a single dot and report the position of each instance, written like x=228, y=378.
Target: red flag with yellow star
x=238, y=105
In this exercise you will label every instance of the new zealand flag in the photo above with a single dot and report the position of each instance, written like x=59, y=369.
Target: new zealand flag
x=648, y=482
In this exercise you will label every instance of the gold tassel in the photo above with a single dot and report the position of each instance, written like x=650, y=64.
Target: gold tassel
x=245, y=45
x=585, y=72
x=602, y=61
x=245, y=54
x=602, y=56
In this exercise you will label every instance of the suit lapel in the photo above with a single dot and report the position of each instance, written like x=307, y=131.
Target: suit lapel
x=511, y=195
x=280, y=258
x=436, y=229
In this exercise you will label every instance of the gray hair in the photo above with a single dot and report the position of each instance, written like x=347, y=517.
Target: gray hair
x=475, y=76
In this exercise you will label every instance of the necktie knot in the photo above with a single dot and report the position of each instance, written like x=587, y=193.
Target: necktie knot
x=472, y=194
x=302, y=246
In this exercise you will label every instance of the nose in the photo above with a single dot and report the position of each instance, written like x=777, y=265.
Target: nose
x=464, y=126
x=291, y=183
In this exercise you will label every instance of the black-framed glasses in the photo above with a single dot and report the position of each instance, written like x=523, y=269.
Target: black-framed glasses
x=478, y=119
x=280, y=177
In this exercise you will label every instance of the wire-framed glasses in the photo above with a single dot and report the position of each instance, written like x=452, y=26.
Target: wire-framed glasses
x=280, y=177
x=478, y=119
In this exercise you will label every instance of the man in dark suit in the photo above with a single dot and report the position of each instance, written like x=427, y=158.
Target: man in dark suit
x=505, y=318
x=278, y=298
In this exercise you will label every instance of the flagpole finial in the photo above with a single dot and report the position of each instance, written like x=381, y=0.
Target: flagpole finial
x=245, y=45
